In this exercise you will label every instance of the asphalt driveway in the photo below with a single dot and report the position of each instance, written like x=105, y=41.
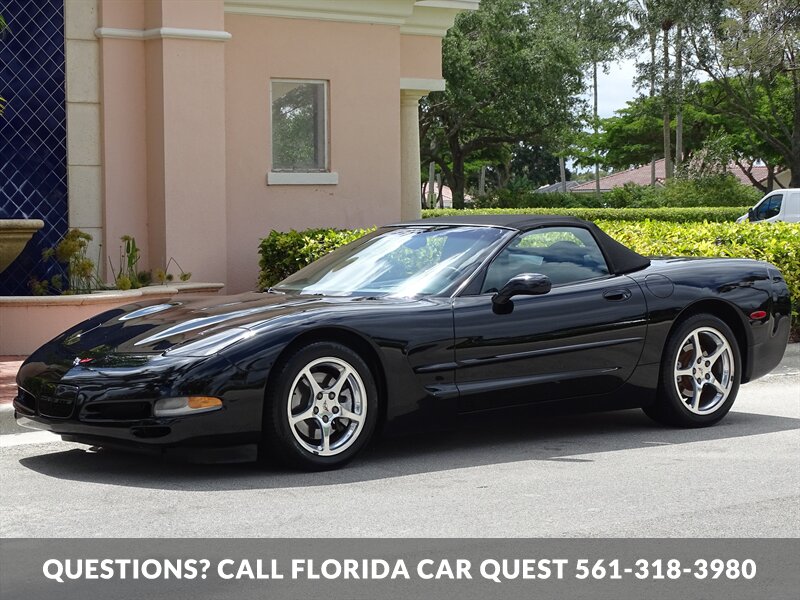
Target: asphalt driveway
x=611, y=474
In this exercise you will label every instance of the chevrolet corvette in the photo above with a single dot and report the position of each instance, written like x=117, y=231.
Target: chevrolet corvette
x=409, y=325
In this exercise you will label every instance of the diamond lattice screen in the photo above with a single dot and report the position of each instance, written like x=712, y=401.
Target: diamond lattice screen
x=33, y=140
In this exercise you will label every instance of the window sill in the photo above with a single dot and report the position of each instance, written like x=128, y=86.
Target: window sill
x=279, y=178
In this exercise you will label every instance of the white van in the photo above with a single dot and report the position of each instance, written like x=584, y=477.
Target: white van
x=779, y=205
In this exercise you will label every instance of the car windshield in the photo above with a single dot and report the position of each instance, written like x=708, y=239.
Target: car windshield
x=403, y=261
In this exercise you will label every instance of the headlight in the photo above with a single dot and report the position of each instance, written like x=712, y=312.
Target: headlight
x=186, y=405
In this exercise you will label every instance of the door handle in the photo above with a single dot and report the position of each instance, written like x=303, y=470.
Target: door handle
x=617, y=295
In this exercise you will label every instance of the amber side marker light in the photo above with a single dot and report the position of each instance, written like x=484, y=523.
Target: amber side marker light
x=185, y=405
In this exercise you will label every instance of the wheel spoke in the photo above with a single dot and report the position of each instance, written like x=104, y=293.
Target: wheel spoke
x=698, y=349
x=315, y=387
x=326, y=437
x=718, y=386
x=348, y=414
x=720, y=350
x=683, y=372
x=303, y=416
x=697, y=390
x=344, y=374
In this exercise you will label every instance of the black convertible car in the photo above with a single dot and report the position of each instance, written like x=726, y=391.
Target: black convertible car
x=408, y=325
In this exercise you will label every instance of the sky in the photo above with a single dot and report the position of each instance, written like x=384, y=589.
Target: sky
x=615, y=88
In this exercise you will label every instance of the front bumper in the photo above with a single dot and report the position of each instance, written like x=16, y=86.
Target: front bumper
x=199, y=450
x=113, y=407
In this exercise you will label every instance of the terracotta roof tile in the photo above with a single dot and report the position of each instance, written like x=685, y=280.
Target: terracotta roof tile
x=641, y=176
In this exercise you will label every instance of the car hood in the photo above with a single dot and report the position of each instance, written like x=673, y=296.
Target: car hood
x=201, y=326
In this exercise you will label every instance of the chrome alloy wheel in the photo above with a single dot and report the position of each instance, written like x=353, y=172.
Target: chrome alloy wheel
x=327, y=406
x=703, y=370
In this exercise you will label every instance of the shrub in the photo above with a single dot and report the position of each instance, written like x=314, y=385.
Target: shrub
x=680, y=215
x=504, y=198
x=284, y=253
x=712, y=190
x=634, y=196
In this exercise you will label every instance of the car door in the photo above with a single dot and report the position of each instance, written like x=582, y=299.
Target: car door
x=583, y=337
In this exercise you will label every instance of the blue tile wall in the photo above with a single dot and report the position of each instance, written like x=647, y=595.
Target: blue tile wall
x=33, y=135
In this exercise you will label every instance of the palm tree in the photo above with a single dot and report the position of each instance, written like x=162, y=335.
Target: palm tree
x=643, y=15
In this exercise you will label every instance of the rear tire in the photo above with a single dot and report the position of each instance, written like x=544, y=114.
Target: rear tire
x=320, y=409
x=700, y=374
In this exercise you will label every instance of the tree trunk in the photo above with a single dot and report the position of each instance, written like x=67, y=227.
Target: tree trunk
x=794, y=162
x=678, y=97
x=652, y=95
x=594, y=123
x=458, y=182
x=794, y=167
x=563, y=169
x=665, y=99
x=431, y=187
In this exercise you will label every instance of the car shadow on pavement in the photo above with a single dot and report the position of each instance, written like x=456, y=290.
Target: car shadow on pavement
x=479, y=441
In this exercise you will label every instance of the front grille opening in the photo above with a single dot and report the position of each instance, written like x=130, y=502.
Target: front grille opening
x=59, y=402
x=133, y=410
x=57, y=408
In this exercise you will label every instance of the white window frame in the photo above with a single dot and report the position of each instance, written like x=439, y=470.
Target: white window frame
x=322, y=177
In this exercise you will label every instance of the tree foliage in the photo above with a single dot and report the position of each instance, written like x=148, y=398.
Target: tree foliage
x=713, y=130
x=513, y=74
x=751, y=50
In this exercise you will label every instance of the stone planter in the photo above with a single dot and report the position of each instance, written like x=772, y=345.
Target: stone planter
x=14, y=235
x=27, y=322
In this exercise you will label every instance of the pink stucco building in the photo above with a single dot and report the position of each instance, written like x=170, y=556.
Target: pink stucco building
x=197, y=126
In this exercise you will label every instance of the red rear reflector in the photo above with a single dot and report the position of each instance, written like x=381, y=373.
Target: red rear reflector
x=759, y=314
x=83, y=361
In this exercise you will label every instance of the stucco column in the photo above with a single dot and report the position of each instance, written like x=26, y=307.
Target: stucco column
x=410, y=203
x=163, y=67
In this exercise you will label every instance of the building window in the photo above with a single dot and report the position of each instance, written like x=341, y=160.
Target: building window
x=299, y=132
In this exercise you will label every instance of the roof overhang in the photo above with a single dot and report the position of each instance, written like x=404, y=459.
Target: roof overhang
x=414, y=17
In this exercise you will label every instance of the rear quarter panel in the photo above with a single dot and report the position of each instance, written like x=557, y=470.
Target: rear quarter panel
x=733, y=289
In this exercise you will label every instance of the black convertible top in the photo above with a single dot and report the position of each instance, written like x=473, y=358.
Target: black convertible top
x=620, y=259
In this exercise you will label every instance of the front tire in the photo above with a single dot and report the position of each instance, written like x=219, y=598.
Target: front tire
x=700, y=374
x=321, y=408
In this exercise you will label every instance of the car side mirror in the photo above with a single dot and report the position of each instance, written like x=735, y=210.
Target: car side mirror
x=524, y=284
x=751, y=214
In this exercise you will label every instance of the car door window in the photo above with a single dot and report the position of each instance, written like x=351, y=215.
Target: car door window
x=564, y=254
x=769, y=208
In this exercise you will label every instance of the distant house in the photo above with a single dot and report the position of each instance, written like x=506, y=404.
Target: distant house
x=444, y=196
x=642, y=176
x=557, y=187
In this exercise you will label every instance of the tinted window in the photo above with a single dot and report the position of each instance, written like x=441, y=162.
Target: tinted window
x=564, y=254
x=769, y=208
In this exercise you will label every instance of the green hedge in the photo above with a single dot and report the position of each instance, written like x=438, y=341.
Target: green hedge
x=778, y=243
x=718, y=214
